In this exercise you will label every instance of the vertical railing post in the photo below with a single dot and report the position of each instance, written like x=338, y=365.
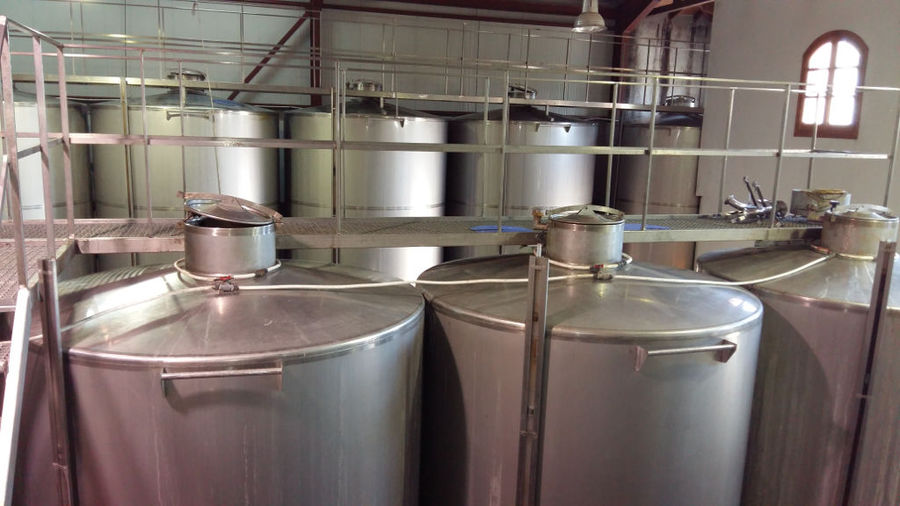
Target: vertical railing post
x=147, y=192
x=13, y=188
x=612, y=142
x=780, y=160
x=66, y=142
x=654, y=102
x=504, y=126
x=56, y=382
x=40, y=94
x=724, y=172
x=892, y=165
x=533, y=381
x=815, y=137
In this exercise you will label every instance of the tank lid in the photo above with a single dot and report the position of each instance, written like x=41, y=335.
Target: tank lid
x=187, y=74
x=364, y=85
x=844, y=282
x=245, y=327
x=858, y=229
x=227, y=212
x=864, y=212
x=587, y=215
x=589, y=310
x=680, y=101
x=520, y=91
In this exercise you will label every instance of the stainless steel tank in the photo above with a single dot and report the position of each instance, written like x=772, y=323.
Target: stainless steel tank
x=812, y=360
x=254, y=397
x=532, y=180
x=671, y=430
x=376, y=183
x=247, y=172
x=673, y=187
x=30, y=178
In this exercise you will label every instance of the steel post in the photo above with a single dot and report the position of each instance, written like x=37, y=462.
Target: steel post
x=653, y=105
x=533, y=382
x=56, y=382
x=47, y=177
x=13, y=188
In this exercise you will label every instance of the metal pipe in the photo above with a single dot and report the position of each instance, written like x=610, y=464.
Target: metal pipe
x=13, y=188
x=533, y=383
x=813, y=142
x=146, y=144
x=181, y=100
x=724, y=172
x=56, y=381
x=653, y=105
x=13, y=392
x=780, y=159
x=338, y=193
x=503, y=133
x=66, y=143
x=47, y=177
x=893, y=163
x=126, y=130
x=612, y=139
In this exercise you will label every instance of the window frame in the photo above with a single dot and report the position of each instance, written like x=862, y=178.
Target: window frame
x=850, y=131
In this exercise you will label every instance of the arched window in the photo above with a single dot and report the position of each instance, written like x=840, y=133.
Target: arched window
x=833, y=66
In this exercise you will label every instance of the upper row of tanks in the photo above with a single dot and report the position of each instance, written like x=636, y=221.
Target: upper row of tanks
x=388, y=183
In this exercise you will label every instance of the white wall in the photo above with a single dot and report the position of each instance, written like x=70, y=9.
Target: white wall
x=765, y=39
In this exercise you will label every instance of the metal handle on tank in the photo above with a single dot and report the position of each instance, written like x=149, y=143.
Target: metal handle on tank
x=724, y=351
x=197, y=114
x=277, y=370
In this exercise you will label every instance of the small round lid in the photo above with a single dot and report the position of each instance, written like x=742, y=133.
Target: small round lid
x=364, y=85
x=227, y=212
x=587, y=215
x=187, y=74
x=519, y=91
x=680, y=101
x=865, y=212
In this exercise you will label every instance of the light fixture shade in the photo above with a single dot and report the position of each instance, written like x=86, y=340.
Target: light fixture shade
x=590, y=19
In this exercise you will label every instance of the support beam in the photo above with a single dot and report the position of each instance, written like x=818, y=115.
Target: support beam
x=632, y=13
x=315, y=50
x=272, y=52
x=446, y=15
x=680, y=5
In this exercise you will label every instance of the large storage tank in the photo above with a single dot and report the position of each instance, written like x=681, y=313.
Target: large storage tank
x=673, y=187
x=532, y=180
x=672, y=430
x=376, y=183
x=255, y=397
x=31, y=180
x=812, y=361
x=246, y=172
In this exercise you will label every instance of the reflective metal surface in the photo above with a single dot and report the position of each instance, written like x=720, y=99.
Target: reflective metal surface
x=32, y=187
x=272, y=397
x=376, y=183
x=532, y=180
x=806, y=402
x=246, y=172
x=585, y=235
x=672, y=433
x=857, y=229
x=673, y=187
